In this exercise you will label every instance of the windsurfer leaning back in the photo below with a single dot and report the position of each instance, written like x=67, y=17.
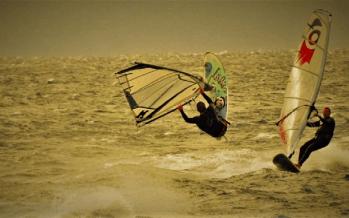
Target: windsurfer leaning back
x=322, y=137
x=208, y=120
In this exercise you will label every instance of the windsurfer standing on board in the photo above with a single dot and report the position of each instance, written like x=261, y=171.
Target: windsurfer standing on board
x=322, y=137
x=208, y=120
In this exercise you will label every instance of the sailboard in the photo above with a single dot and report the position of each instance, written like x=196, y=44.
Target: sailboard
x=216, y=77
x=282, y=162
x=154, y=91
x=305, y=80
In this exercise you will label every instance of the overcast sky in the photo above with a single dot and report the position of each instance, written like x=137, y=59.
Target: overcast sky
x=103, y=28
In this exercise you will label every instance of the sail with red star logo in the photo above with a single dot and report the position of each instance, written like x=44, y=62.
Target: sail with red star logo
x=305, y=79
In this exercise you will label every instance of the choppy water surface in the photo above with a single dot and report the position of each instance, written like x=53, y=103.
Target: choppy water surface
x=69, y=146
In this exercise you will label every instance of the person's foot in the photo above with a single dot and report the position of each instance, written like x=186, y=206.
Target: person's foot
x=298, y=165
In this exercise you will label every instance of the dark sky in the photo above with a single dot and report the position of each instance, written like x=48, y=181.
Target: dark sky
x=103, y=28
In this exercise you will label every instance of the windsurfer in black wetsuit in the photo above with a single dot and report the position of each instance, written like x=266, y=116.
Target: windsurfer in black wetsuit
x=208, y=121
x=322, y=137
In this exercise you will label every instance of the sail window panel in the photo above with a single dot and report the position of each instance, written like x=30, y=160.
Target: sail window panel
x=154, y=91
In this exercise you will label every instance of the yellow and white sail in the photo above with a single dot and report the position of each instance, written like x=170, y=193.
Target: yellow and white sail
x=154, y=91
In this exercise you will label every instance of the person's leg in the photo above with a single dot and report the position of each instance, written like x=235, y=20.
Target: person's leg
x=303, y=155
x=316, y=144
x=223, y=129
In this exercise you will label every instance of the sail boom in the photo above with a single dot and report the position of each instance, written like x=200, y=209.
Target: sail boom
x=297, y=98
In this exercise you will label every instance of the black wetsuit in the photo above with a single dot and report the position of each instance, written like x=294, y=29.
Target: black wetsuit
x=322, y=138
x=208, y=121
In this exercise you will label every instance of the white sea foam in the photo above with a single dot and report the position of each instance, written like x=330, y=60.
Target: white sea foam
x=216, y=164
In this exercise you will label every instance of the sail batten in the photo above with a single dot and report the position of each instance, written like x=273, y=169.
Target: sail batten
x=305, y=79
x=307, y=71
x=297, y=98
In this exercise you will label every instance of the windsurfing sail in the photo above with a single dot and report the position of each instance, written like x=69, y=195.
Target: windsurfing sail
x=153, y=91
x=305, y=79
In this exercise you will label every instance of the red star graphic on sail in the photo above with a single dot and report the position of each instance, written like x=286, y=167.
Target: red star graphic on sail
x=305, y=54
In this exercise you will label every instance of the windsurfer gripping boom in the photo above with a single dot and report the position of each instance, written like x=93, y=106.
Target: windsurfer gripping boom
x=208, y=120
x=322, y=137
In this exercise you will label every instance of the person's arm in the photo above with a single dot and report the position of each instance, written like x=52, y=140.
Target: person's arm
x=316, y=123
x=208, y=99
x=327, y=121
x=185, y=117
x=322, y=119
x=313, y=124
